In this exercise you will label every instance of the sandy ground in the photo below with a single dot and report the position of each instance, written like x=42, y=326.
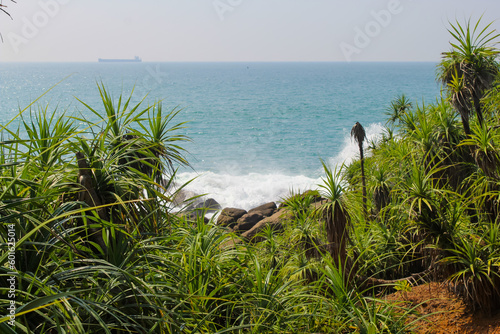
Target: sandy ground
x=447, y=314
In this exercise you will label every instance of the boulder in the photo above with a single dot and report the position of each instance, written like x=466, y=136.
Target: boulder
x=194, y=216
x=210, y=205
x=182, y=196
x=266, y=210
x=276, y=222
x=247, y=221
x=199, y=209
x=229, y=217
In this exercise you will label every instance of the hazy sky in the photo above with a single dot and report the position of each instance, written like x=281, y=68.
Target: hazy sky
x=234, y=30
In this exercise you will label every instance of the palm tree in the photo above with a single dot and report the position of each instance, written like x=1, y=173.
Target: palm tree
x=469, y=69
x=359, y=134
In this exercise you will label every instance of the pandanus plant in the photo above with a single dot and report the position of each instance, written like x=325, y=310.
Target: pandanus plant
x=125, y=161
x=469, y=69
x=381, y=188
x=399, y=106
x=483, y=141
x=359, y=135
x=337, y=218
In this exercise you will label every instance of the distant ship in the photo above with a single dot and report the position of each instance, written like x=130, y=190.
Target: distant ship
x=135, y=60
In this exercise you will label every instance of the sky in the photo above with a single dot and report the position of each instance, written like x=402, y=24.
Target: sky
x=234, y=30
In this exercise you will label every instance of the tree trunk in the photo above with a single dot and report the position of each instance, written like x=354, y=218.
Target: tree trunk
x=465, y=124
x=363, y=179
x=89, y=196
x=477, y=107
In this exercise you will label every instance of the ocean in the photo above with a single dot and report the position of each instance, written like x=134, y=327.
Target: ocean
x=258, y=130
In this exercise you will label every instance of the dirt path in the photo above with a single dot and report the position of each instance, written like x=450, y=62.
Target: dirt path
x=447, y=314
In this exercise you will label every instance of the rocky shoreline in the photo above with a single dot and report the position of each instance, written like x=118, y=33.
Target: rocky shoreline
x=246, y=224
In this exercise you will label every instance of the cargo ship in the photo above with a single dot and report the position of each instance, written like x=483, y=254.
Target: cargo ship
x=136, y=59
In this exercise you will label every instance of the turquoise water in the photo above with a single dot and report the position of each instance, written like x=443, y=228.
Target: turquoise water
x=258, y=129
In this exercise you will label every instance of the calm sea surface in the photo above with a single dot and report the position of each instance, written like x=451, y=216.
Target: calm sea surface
x=258, y=129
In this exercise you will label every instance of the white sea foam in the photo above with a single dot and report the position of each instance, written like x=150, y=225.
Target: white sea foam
x=350, y=148
x=253, y=189
x=246, y=191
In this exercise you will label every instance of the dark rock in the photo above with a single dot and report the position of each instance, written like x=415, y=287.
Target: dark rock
x=230, y=216
x=247, y=221
x=276, y=222
x=266, y=210
x=183, y=196
x=210, y=205
x=199, y=208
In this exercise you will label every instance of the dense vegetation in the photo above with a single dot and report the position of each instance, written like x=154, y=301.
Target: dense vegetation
x=99, y=249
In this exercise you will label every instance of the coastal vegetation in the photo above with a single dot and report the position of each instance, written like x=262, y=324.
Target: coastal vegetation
x=99, y=245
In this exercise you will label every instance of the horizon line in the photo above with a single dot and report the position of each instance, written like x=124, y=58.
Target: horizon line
x=222, y=61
